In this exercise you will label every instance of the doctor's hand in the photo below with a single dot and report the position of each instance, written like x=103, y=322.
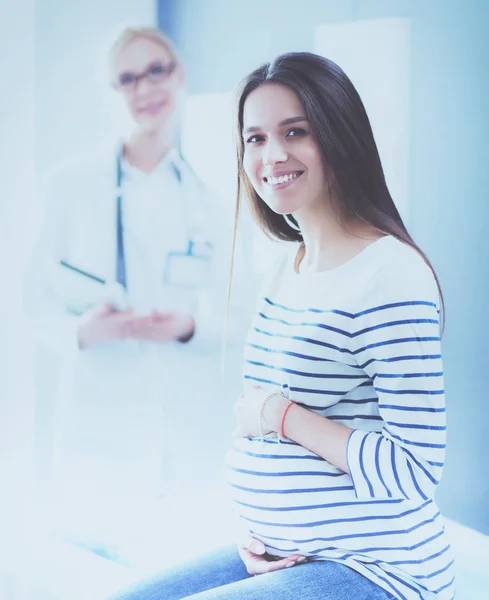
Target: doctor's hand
x=104, y=325
x=162, y=327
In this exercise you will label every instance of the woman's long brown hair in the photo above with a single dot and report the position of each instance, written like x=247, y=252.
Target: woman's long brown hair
x=342, y=129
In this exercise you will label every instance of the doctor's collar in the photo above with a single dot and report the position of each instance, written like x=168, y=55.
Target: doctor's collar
x=169, y=161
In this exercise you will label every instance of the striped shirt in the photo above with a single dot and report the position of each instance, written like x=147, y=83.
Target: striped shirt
x=360, y=345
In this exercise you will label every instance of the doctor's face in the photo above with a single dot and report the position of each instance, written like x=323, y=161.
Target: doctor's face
x=149, y=80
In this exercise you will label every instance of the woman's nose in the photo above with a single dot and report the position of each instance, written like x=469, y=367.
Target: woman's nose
x=274, y=152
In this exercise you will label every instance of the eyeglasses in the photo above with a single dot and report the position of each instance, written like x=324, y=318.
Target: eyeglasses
x=155, y=73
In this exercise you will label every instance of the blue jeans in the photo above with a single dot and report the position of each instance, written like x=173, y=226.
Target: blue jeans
x=223, y=576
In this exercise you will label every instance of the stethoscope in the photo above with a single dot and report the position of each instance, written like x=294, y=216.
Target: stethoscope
x=188, y=270
x=184, y=269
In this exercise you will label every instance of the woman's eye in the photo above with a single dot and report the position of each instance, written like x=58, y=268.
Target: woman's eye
x=254, y=139
x=295, y=131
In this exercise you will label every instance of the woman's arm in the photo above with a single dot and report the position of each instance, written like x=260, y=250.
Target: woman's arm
x=396, y=341
x=327, y=439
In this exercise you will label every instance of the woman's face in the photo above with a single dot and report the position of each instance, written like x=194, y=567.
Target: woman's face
x=149, y=81
x=282, y=158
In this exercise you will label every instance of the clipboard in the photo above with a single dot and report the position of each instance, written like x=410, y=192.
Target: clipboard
x=82, y=290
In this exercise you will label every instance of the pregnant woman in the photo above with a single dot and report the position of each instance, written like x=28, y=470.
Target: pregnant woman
x=341, y=430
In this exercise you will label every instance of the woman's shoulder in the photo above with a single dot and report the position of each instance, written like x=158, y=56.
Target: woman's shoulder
x=398, y=272
x=393, y=253
x=398, y=259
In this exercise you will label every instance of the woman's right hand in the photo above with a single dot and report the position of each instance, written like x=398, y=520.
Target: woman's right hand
x=105, y=325
x=257, y=561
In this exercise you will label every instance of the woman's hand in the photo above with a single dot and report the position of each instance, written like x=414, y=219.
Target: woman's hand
x=257, y=561
x=248, y=412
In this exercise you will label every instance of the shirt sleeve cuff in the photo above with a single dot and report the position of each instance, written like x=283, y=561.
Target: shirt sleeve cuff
x=358, y=449
x=204, y=339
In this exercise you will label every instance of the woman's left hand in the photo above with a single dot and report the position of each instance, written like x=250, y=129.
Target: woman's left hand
x=248, y=412
x=257, y=561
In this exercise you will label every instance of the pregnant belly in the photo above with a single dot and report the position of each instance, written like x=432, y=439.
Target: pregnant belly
x=284, y=493
x=294, y=501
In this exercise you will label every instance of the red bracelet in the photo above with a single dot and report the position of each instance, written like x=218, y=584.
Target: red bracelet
x=282, y=433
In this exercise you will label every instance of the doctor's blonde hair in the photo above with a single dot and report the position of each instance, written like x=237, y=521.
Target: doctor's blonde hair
x=130, y=34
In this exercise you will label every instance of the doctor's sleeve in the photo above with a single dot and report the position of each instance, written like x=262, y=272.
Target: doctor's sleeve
x=396, y=341
x=212, y=304
x=52, y=324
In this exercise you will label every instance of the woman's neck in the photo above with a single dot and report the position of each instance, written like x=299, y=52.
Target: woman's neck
x=145, y=149
x=331, y=239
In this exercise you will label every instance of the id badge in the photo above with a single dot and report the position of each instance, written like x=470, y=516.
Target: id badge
x=186, y=270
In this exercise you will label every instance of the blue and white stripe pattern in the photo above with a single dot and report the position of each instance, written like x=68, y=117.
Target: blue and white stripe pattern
x=359, y=345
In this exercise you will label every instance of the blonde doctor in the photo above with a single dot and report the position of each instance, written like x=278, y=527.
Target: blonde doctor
x=128, y=283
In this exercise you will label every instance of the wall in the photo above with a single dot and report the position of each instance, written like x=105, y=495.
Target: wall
x=17, y=196
x=72, y=107
x=221, y=41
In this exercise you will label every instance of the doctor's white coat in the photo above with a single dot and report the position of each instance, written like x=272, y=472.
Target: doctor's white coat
x=134, y=419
